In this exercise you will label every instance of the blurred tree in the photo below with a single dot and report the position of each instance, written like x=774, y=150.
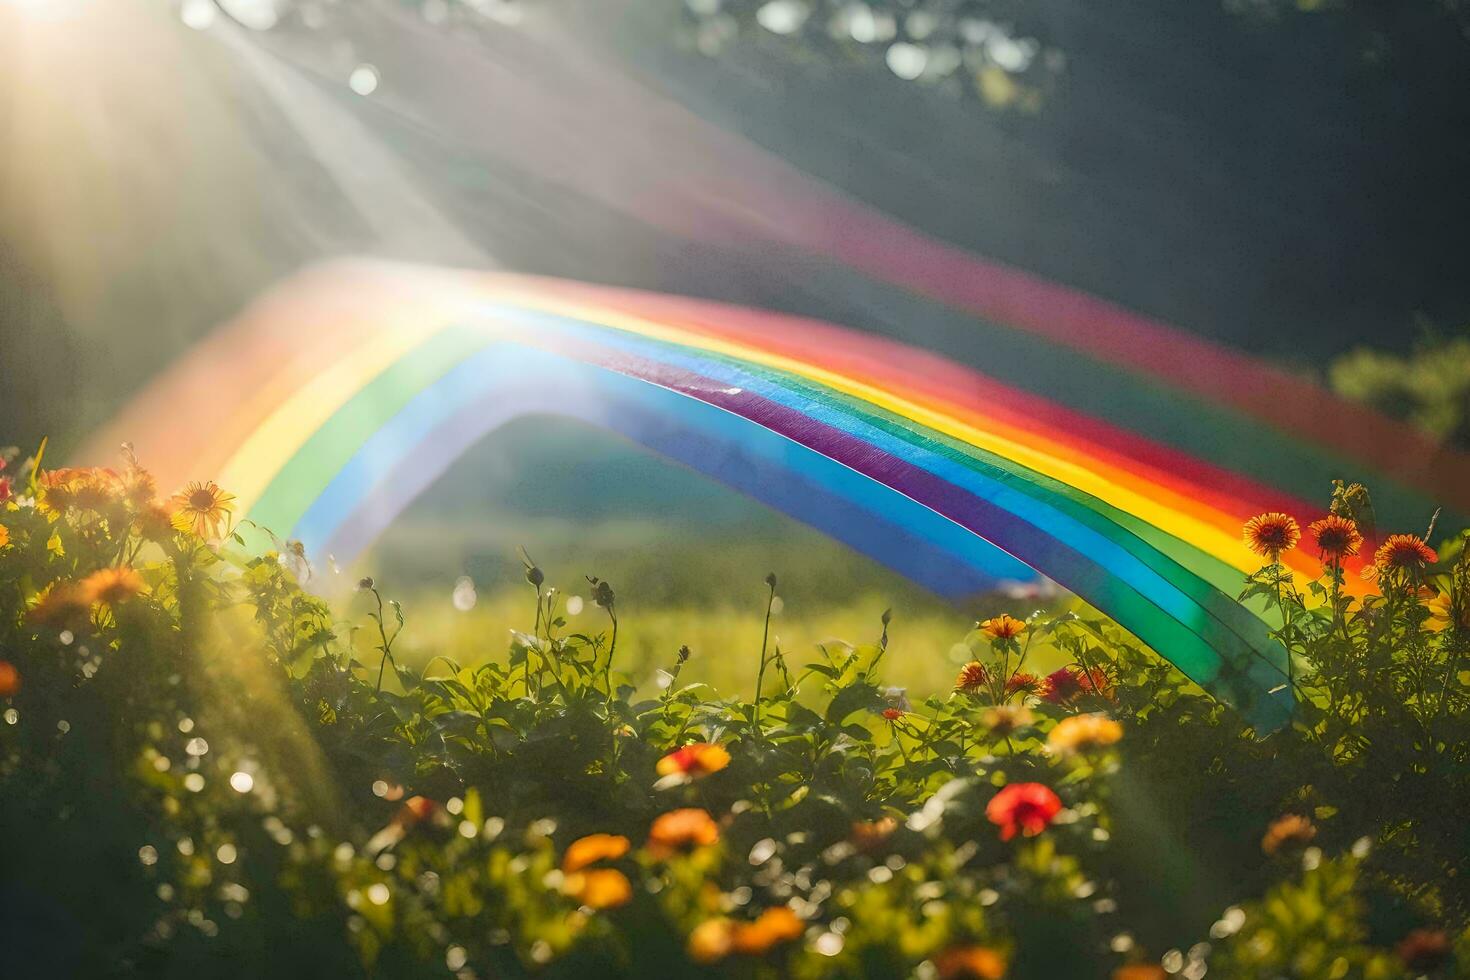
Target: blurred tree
x=1430, y=386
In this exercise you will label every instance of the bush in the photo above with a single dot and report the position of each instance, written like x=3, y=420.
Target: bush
x=204, y=771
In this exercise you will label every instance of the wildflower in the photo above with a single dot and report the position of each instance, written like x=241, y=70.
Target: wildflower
x=112, y=585
x=4, y=535
x=154, y=522
x=1004, y=718
x=5, y=490
x=1268, y=535
x=9, y=679
x=415, y=810
x=892, y=714
x=60, y=604
x=1027, y=807
x=1292, y=829
x=1080, y=733
x=1003, y=627
x=771, y=928
x=57, y=489
x=1404, y=552
x=589, y=850
x=970, y=963
x=95, y=490
x=1337, y=537
x=1020, y=683
x=1424, y=950
x=1066, y=685
x=869, y=835
x=138, y=487
x=677, y=829
x=599, y=888
x=973, y=676
x=202, y=508
x=711, y=940
x=1442, y=613
x=694, y=761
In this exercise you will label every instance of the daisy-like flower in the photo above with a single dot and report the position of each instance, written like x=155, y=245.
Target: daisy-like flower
x=1404, y=553
x=1442, y=613
x=970, y=963
x=973, y=676
x=1003, y=627
x=587, y=851
x=1025, y=807
x=95, y=490
x=599, y=888
x=680, y=829
x=138, y=486
x=1006, y=718
x=61, y=604
x=1268, y=535
x=56, y=489
x=202, y=508
x=1291, y=829
x=711, y=940
x=771, y=928
x=112, y=585
x=1337, y=537
x=1019, y=683
x=694, y=761
x=1065, y=685
x=1080, y=733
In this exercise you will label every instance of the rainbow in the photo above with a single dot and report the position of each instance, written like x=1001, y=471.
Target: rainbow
x=342, y=395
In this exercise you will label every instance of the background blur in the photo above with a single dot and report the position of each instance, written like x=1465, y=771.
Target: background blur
x=1282, y=176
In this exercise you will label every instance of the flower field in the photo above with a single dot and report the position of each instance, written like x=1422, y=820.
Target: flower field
x=205, y=769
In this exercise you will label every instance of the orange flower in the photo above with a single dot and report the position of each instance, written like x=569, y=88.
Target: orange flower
x=869, y=835
x=970, y=963
x=1082, y=732
x=599, y=888
x=4, y=535
x=112, y=585
x=1404, y=552
x=9, y=679
x=95, y=490
x=1268, y=535
x=695, y=760
x=1140, y=971
x=1292, y=828
x=202, y=508
x=60, y=604
x=711, y=940
x=1066, y=685
x=56, y=489
x=138, y=486
x=678, y=829
x=1337, y=537
x=973, y=676
x=155, y=523
x=892, y=714
x=1027, y=807
x=771, y=928
x=1003, y=627
x=1023, y=683
x=593, y=848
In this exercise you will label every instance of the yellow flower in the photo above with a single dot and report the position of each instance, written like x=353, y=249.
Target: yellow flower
x=1003, y=627
x=111, y=585
x=1005, y=718
x=593, y=848
x=202, y=508
x=599, y=888
x=1082, y=732
x=59, y=604
x=711, y=940
x=4, y=535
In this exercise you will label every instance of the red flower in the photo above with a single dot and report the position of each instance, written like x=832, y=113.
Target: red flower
x=1066, y=685
x=1424, y=949
x=5, y=492
x=1337, y=537
x=1027, y=807
x=1268, y=535
x=1025, y=683
x=1404, y=552
x=892, y=714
